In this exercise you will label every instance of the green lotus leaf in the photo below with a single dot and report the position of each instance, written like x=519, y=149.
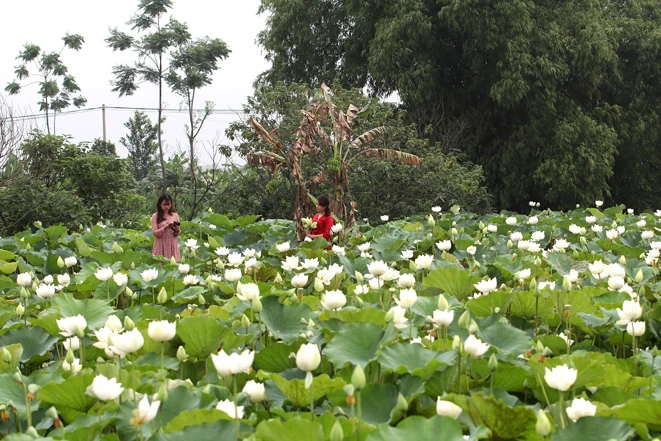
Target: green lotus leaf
x=296, y=429
x=36, y=342
x=363, y=315
x=8, y=267
x=195, y=417
x=377, y=402
x=420, y=429
x=483, y=306
x=275, y=357
x=357, y=343
x=285, y=321
x=506, y=338
x=637, y=411
x=16, y=351
x=412, y=358
x=595, y=429
x=219, y=430
x=48, y=321
x=95, y=311
x=453, y=281
x=299, y=396
x=6, y=255
x=12, y=390
x=505, y=422
x=202, y=335
x=188, y=295
x=69, y=396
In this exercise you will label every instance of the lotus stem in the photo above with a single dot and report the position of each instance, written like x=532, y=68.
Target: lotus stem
x=236, y=407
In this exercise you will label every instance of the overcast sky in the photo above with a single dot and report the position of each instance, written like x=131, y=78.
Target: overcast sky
x=45, y=22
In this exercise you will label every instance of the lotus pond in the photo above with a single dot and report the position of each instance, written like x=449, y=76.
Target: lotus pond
x=449, y=326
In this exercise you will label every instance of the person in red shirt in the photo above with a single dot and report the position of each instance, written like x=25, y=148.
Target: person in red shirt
x=323, y=219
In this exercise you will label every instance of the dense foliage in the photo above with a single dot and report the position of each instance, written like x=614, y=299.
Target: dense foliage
x=504, y=326
x=558, y=100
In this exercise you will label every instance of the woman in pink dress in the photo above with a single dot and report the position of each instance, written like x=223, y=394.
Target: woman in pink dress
x=165, y=227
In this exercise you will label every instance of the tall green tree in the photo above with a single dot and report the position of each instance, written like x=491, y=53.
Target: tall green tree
x=56, y=85
x=155, y=37
x=141, y=142
x=191, y=69
x=554, y=97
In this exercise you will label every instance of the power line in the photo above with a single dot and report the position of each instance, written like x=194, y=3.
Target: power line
x=120, y=108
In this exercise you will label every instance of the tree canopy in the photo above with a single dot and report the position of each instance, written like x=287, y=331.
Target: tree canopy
x=558, y=98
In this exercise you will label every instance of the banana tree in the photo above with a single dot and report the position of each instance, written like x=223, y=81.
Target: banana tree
x=279, y=157
x=345, y=149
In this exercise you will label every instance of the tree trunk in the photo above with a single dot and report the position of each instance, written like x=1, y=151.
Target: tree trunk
x=160, y=112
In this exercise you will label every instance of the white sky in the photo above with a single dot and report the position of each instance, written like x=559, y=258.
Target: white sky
x=45, y=22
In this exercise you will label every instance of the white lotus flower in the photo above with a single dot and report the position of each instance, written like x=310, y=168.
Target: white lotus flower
x=364, y=246
x=340, y=251
x=580, y=408
x=232, y=275
x=399, y=317
x=612, y=234
x=299, y=280
x=407, y=297
x=447, y=408
x=486, y=286
x=184, y=268
x=523, y=274
x=491, y=228
x=283, y=247
x=24, y=279
x=103, y=274
x=591, y=219
x=230, y=409
x=104, y=389
x=255, y=390
x=361, y=290
x=516, y=236
x=424, y=261
x=63, y=279
x=377, y=268
x=45, y=291
x=537, y=236
x=597, y=228
x=436, y=209
x=290, y=263
x=222, y=251
x=192, y=244
x=333, y=300
x=336, y=228
x=71, y=343
x=70, y=261
x=145, y=412
x=149, y=275
x=444, y=245
x=561, y=377
x=475, y=347
x=510, y=220
x=48, y=280
x=596, y=268
x=631, y=310
x=636, y=329
x=248, y=292
x=406, y=280
x=235, y=259
x=647, y=234
x=233, y=363
x=385, y=218
x=598, y=203
x=127, y=342
x=471, y=250
x=190, y=279
x=310, y=264
x=308, y=357
x=162, y=330
x=560, y=245
x=70, y=326
x=407, y=254
x=74, y=367
x=615, y=283
x=442, y=319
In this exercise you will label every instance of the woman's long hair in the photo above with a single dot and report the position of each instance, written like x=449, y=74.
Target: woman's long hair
x=160, y=216
x=324, y=202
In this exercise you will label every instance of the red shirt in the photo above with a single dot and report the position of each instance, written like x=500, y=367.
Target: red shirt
x=324, y=224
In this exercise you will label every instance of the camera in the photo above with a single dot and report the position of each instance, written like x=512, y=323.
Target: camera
x=176, y=223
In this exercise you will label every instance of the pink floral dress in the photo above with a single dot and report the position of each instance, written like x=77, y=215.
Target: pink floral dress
x=165, y=239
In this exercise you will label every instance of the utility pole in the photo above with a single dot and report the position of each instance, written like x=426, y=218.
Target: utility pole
x=103, y=115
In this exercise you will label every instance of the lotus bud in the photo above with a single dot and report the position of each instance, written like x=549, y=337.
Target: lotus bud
x=25, y=293
x=52, y=413
x=162, y=393
x=32, y=432
x=493, y=362
x=510, y=244
x=584, y=241
x=132, y=265
x=238, y=286
x=318, y=285
x=566, y=283
x=481, y=226
x=348, y=389
x=358, y=377
x=443, y=304
x=181, y=354
x=575, y=254
x=33, y=388
x=539, y=347
x=402, y=404
x=278, y=278
x=256, y=305
x=206, y=389
x=60, y=262
x=543, y=425
x=336, y=433
x=533, y=284
x=655, y=352
x=473, y=328
x=162, y=296
x=128, y=324
x=34, y=285
x=245, y=321
x=221, y=265
x=464, y=320
x=431, y=221
x=623, y=260
x=538, y=261
x=359, y=302
x=201, y=300
x=173, y=261
x=70, y=356
x=454, y=231
x=115, y=247
x=6, y=355
x=639, y=276
x=359, y=277
x=456, y=343
x=389, y=315
x=20, y=310
x=412, y=266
